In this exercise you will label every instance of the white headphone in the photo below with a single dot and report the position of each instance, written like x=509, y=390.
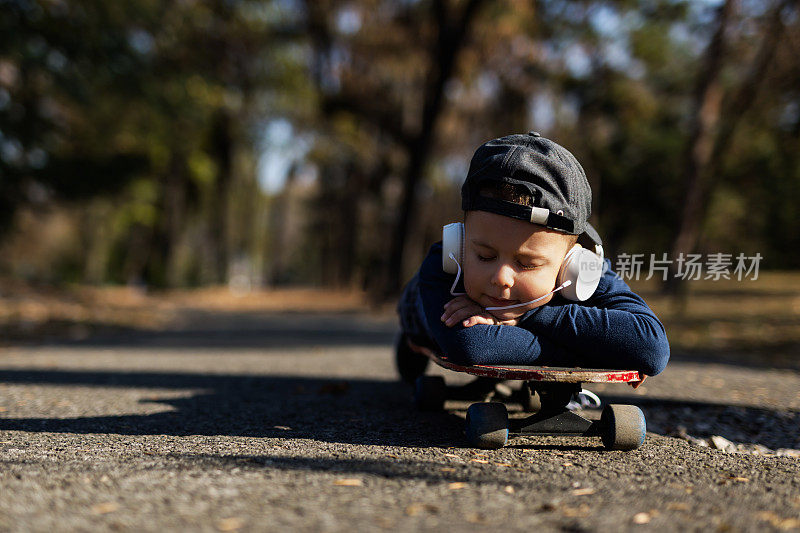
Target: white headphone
x=577, y=278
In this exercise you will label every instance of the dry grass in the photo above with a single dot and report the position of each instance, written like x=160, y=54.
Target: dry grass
x=293, y=300
x=28, y=312
x=759, y=317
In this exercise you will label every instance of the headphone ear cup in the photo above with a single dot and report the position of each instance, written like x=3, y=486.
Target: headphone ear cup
x=584, y=270
x=452, y=243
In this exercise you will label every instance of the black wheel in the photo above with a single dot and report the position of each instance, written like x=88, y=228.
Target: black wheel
x=487, y=425
x=622, y=427
x=430, y=392
x=410, y=364
x=529, y=399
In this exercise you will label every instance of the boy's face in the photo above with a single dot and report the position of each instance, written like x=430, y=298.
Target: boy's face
x=509, y=261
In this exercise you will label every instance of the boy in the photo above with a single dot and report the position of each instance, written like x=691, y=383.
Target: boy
x=526, y=203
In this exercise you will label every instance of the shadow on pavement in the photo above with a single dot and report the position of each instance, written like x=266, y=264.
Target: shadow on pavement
x=348, y=411
x=355, y=411
x=390, y=468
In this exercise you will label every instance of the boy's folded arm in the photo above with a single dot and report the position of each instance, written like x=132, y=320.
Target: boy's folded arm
x=616, y=324
x=478, y=344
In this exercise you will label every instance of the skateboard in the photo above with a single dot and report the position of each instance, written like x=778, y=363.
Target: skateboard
x=545, y=392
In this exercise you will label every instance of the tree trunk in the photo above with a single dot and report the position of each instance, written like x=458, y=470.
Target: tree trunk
x=175, y=218
x=279, y=228
x=443, y=58
x=222, y=151
x=705, y=117
x=713, y=131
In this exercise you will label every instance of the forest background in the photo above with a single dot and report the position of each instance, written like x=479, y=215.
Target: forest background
x=267, y=143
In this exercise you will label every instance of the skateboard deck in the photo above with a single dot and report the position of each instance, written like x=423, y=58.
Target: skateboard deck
x=534, y=373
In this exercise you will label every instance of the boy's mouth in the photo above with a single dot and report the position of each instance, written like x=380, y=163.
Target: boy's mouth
x=497, y=302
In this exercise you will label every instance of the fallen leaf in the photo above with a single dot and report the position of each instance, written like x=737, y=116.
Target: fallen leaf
x=417, y=508
x=392, y=456
x=778, y=521
x=282, y=428
x=677, y=506
x=482, y=461
x=230, y=524
x=567, y=464
x=350, y=482
x=509, y=489
x=456, y=485
x=789, y=523
x=451, y=455
x=581, y=510
x=447, y=469
x=582, y=492
x=741, y=479
x=723, y=444
x=641, y=518
x=414, y=509
x=104, y=508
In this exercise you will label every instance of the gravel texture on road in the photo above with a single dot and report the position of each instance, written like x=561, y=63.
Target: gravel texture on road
x=299, y=423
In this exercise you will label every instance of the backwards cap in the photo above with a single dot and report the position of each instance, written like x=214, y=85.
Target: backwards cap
x=548, y=172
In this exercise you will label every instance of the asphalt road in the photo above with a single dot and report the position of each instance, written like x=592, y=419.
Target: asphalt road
x=298, y=423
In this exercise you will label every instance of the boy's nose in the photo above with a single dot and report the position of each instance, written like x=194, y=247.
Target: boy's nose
x=503, y=276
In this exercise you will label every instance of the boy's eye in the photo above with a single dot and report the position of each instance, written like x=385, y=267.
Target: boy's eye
x=482, y=258
x=527, y=267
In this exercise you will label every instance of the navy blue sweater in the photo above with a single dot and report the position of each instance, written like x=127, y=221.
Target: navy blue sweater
x=613, y=329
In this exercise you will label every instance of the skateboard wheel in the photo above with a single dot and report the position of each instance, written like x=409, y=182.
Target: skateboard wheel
x=487, y=425
x=622, y=427
x=430, y=392
x=410, y=364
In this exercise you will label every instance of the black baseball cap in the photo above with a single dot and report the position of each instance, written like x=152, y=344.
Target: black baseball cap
x=548, y=172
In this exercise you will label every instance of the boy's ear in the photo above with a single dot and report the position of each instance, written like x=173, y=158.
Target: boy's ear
x=572, y=240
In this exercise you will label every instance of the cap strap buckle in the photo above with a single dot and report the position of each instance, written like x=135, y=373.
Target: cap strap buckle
x=539, y=215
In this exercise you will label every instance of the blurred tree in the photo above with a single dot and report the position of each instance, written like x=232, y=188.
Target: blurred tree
x=712, y=128
x=385, y=68
x=59, y=62
x=150, y=117
x=94, y=95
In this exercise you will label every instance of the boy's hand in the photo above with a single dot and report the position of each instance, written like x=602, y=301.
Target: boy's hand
x=636, y=384
x=463, y=309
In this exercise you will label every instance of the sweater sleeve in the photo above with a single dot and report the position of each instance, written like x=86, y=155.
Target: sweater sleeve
x=479, y=344
x=613, y=329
